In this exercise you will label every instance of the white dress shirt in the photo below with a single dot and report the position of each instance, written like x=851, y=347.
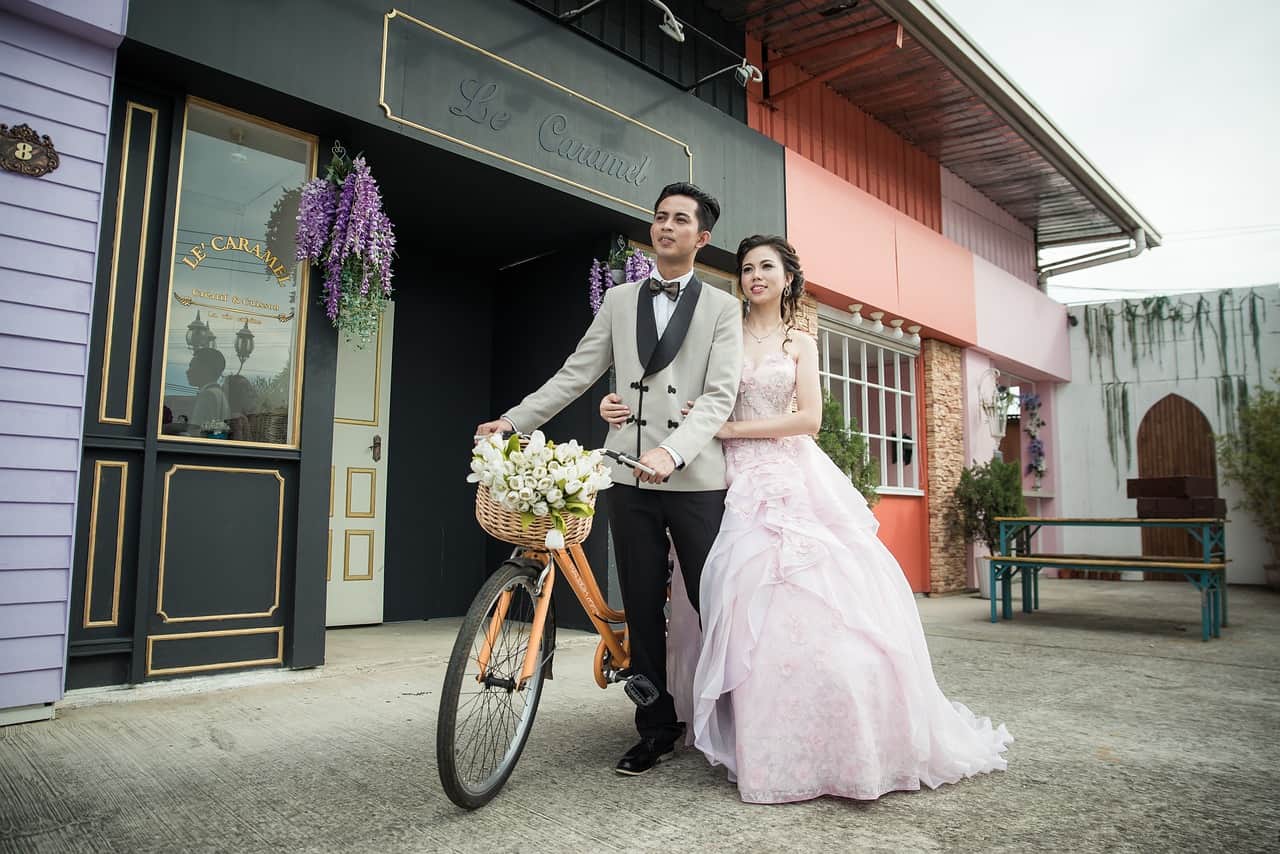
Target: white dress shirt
x=663, y=305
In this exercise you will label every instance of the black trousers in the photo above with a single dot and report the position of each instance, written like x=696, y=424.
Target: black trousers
x=640, y=519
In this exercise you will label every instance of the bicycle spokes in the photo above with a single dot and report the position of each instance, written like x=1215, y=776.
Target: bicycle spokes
x=494, y=701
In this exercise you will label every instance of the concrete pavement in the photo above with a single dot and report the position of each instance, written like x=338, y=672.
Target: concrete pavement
x=1132, y=735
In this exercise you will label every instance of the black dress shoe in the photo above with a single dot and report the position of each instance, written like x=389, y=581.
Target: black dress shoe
x=639, y=759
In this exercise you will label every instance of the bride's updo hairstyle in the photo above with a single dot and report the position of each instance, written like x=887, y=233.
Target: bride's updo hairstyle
x=790, y=264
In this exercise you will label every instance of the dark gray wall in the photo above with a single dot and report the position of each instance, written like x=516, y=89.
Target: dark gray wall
x=544, y=303
x=440, y=390
x=328, y=52
x=631, y=29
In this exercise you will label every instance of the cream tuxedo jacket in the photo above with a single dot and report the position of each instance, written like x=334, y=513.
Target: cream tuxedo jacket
x=698, y=358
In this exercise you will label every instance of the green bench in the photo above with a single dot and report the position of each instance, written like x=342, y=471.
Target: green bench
x=1208, y=575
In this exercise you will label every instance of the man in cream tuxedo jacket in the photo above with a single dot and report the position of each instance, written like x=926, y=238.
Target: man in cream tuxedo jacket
x=670, y=339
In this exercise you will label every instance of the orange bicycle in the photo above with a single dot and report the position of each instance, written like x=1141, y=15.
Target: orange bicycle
x=504, y=652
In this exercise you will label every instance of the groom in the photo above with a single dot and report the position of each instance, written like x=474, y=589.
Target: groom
x=670, y=339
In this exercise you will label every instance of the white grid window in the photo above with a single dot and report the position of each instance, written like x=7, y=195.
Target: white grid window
x=875, y=386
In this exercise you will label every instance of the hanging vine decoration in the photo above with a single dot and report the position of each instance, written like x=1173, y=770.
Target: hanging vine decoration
x=1115, y=405
x=1257, y=309
x=1197, y=333
x=1148, y=325
x=1222, y=331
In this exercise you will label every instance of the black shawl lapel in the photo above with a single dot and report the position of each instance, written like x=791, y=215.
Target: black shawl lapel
x=677, y=327
x=646, y=326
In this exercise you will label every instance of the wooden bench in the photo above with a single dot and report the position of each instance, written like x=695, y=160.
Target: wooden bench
x=1208, y=575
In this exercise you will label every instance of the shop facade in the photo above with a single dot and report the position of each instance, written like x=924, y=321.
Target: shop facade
x=236, y=477
x=246, y=477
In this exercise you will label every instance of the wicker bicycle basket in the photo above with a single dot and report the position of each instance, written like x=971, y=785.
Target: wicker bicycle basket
x=503, y=524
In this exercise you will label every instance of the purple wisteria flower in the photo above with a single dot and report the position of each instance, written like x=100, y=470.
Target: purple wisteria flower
x=362, y=242
x=638, y=267
x=315, y=218
x=342, y=226
x=597, y=277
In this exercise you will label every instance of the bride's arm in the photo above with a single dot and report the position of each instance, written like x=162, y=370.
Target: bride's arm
x=807, y=418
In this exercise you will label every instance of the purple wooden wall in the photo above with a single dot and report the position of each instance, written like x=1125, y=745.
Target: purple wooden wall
x=57, y=60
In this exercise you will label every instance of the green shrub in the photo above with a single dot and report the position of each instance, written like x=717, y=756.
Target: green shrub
x=1250, y=457
x=985, y=492
x=847, y=448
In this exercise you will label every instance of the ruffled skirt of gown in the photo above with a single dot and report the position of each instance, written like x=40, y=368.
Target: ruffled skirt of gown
x=812, y=676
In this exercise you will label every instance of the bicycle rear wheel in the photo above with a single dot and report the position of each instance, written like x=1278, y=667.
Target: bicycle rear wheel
x=485, y=715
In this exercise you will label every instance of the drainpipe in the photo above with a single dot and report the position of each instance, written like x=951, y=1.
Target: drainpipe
x=1094, y=259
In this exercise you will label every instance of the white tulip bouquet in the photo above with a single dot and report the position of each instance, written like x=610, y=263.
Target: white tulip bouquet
x=540, y=479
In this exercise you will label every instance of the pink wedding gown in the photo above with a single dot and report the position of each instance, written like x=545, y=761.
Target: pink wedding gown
x=812, y=676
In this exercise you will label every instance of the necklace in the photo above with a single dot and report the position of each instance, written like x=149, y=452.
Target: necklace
x=760, y=339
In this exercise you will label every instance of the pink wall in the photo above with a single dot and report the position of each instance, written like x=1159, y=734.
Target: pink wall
x=857, y=249
x=985, y=229
x=1037, y=343
x=904, y=529
x=831, y=131
x=979, y=446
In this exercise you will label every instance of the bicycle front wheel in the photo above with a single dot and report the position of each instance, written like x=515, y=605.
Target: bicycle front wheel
x=485, y=713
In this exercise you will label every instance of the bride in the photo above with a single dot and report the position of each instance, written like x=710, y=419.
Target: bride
x=812, y=675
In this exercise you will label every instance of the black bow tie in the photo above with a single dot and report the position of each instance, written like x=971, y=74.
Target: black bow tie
x=671, y=289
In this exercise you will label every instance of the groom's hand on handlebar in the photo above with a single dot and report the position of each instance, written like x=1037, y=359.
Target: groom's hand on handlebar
x=660, y=461
x=501, y=425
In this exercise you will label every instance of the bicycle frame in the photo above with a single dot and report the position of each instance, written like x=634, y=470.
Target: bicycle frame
x=573, y=563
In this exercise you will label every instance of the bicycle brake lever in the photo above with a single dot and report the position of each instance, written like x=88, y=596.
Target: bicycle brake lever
x=630, y=462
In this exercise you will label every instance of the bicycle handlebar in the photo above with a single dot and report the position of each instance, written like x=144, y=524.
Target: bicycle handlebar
x=629, y=462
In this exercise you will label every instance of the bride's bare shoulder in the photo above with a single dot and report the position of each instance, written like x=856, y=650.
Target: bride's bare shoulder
x=801, y=344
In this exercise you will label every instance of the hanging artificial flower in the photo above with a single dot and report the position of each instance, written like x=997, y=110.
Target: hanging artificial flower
x=634, y=265
x=341, y=225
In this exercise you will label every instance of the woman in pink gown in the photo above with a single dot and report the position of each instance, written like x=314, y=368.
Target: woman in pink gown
x=811, y=676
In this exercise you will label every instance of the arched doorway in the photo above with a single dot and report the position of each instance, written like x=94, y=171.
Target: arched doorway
x=1174, y=440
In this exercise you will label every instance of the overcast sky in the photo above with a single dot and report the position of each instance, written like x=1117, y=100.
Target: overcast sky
x=1177, y=102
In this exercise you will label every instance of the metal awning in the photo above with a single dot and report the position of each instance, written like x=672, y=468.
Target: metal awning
x=944, y=96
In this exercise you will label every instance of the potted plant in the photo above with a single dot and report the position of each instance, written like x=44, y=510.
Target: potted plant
x=986, y=492
x=1250, y=457
x=847, y=448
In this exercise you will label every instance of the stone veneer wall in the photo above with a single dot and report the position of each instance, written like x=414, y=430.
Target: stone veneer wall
x=944, y=449
x=807, y=319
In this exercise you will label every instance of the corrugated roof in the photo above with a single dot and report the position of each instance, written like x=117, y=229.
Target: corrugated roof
x=947, y=98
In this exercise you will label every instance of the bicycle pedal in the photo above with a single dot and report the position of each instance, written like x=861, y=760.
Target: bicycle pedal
x=641, y=690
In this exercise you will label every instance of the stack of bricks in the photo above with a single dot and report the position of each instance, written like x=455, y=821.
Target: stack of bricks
x=1177, y=497
x=944, y=447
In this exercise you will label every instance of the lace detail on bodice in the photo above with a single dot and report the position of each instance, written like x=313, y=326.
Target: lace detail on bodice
x=766, y=391
x=767, y=388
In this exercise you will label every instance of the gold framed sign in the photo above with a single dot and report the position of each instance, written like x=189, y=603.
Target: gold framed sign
x=442, y=85
x=26, y=152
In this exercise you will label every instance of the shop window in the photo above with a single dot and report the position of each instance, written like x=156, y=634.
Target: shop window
x=875, y=386
x=237, y=299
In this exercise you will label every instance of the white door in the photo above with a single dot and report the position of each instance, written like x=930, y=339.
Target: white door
x=358, y=480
